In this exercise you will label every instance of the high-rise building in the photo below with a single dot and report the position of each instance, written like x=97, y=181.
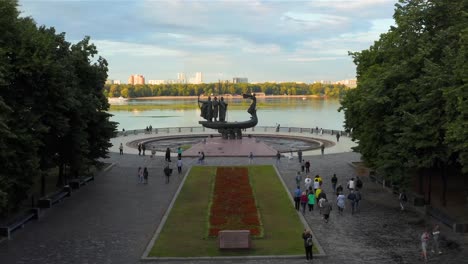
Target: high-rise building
x=198, y=78
x=136, y=79
x=240, y=80
x=156, y=82
x=181, y=78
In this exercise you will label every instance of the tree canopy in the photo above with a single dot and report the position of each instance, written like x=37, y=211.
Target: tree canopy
x=289, y=88
x=410, y=108
x=52, y=106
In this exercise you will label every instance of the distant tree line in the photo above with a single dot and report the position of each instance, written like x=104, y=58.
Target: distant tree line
x=131, y=91
x=409, y=112
x=53, y=119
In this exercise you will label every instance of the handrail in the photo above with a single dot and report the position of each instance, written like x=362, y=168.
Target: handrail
x=259, y=129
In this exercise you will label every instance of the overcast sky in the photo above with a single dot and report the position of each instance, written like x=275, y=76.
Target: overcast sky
x=261, y=40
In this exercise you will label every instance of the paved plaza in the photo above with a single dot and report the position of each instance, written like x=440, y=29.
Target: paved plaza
x=112, y=219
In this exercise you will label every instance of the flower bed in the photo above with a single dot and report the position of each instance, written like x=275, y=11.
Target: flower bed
x=233, y=204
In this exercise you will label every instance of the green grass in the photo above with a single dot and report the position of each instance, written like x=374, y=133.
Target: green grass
x=185, y=232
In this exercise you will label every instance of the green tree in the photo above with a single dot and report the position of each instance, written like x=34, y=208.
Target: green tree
x=406, y=106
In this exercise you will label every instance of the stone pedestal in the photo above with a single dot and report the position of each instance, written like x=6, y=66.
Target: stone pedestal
x=234, y=239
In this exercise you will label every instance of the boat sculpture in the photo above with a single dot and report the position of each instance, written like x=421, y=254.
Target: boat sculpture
x=228, y=130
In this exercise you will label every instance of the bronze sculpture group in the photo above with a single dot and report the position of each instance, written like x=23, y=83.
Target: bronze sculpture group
x=214, y=112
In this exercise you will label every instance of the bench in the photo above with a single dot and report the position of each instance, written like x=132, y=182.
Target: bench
x=234, y=239
x=54, y=198
x=77, y=183
x=19, y=222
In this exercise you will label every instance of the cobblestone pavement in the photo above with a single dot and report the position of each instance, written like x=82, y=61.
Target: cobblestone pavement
x=113, y=219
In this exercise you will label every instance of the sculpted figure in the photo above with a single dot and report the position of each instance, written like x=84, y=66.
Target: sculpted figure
x=222, y=110
x=206, y=109
x=215, y=109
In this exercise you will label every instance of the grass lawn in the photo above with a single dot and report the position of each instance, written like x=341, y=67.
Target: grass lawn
x=185, y=232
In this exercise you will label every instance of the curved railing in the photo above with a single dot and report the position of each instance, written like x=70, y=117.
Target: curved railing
x=257, y=129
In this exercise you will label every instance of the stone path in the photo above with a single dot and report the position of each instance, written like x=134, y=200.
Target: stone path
x=113, y=219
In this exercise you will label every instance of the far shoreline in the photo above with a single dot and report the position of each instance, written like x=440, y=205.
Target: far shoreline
x=225, y=96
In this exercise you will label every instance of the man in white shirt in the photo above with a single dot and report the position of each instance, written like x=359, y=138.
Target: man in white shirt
x=351, y=184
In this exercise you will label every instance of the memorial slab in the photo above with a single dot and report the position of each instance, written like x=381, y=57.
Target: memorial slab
x=234, y=239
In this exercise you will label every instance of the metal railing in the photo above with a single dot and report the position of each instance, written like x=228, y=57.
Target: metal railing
x=257, y=129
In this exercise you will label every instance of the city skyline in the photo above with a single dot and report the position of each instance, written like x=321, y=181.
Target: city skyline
x=261, y=40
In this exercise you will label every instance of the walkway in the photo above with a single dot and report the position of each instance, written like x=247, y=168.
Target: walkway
x=113, y=219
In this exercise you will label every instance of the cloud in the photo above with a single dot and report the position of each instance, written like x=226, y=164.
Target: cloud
x=115, y=48
x=252, y=38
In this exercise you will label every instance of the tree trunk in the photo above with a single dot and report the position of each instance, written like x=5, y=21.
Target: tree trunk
x=429, y=191
x=444, y=185
x=60, y=179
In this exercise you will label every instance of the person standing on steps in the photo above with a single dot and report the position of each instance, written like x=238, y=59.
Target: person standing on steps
x=308, y=244
x=121, y=149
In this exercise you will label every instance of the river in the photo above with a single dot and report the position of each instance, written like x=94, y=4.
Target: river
x=288, y=112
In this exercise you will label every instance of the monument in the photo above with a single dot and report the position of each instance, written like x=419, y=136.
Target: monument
x=228, y=130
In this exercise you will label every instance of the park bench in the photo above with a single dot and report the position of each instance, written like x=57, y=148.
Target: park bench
x=77, y=183
x=234, y=239
x=18, y=222
x=57, y=197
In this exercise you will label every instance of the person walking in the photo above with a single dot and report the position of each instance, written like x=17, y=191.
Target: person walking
x=304, y=201
x=326, y=209
x=359, y=183
x=167, y=172
x=338, y=136
x=168, y=155
x=297, y=197
x=139, y=149
x=145, y=176
x=311, y=201
x=179, y=152
x=340, y=203
x=334, y=180
x=153, y=152
x=199, y=158
x=298, y=178
x=424, y=239
x=302, y=166
x=179, y=165
x=299, y=155
x=250, y=158
x=278, y=158
x=307, y=182
x=140, y=175
x=307, y=166
x=322, y=149
x=352, y=198
x=435, y=240
x=403, y=199
x=308, y=244
x=121, y=149
x=351, y=184
x=143, y=148
x=358, y=199
x=339, y=189
x=202, y=158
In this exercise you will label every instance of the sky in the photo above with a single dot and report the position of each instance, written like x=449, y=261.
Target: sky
x=303, y=41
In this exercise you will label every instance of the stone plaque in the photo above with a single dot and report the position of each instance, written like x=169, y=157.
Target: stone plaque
x=229, y=239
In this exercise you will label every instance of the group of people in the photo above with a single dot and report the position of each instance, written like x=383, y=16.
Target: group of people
x=211, y=110
x=425, y=238
x=143, y=173
x=201, y=157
